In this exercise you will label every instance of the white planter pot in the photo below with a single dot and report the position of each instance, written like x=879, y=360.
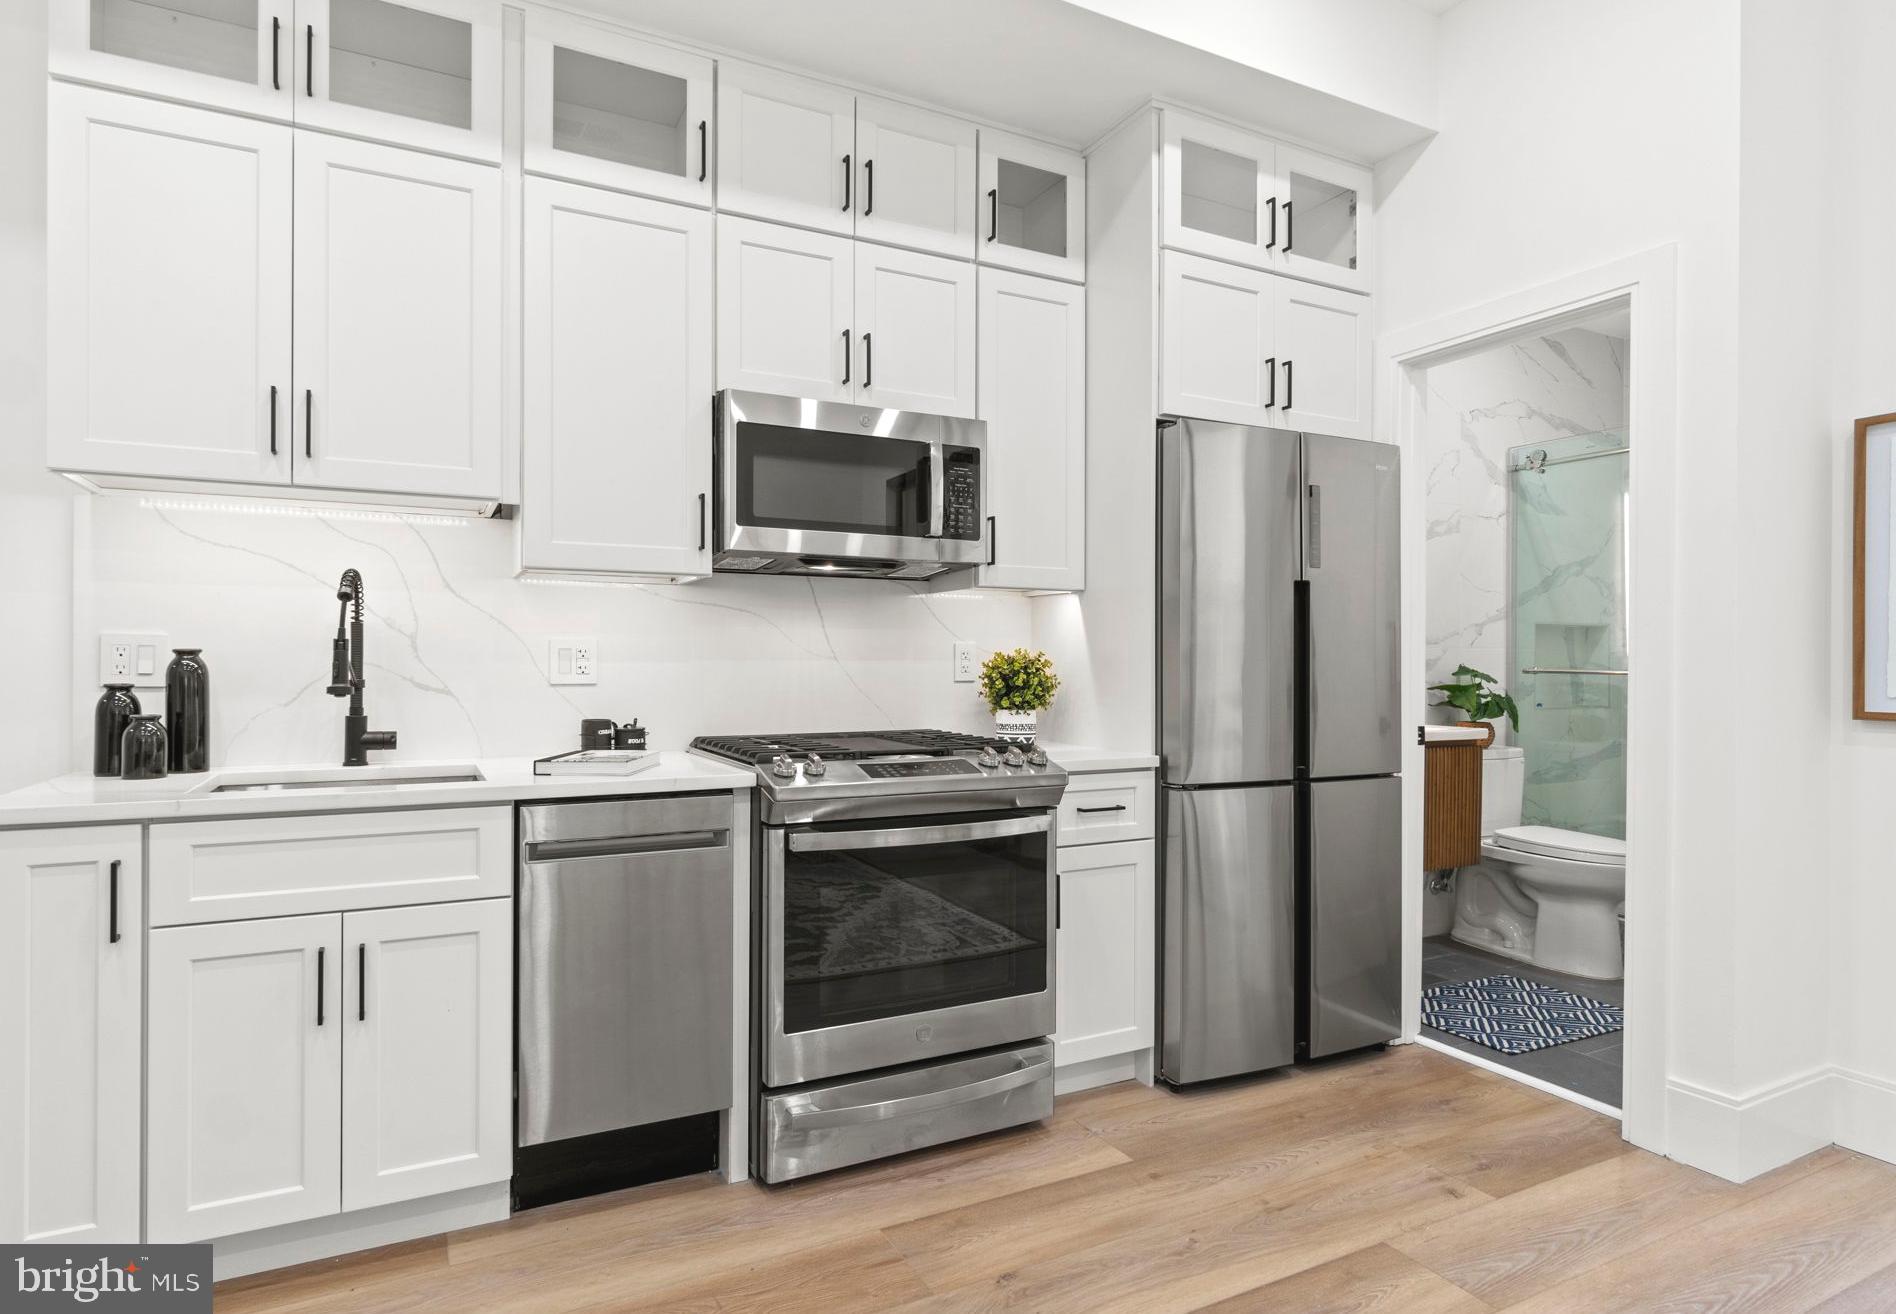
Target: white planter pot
x=1016, y=727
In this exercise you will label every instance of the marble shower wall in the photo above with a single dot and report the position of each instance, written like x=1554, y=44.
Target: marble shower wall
x=457, y=646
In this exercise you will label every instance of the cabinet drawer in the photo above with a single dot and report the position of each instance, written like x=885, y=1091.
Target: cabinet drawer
x=1107, y=807
x=219, y=871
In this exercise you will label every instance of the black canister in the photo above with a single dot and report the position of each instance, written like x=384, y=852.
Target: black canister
x=142, y=754
x=188, y=710
x=110, y=715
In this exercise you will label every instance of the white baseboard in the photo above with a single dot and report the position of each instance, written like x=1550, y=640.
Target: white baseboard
x=1740, y=1136
x=365, y=1229
x=1865, y=1113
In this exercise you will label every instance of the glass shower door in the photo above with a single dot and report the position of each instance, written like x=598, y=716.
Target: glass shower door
x=1570, y=648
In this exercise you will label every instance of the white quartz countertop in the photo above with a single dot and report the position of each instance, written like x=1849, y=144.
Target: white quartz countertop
x=81, y=799
x=1080, y=760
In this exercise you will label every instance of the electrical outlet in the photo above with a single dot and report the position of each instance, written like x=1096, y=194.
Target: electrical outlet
x=966, y=665
x=135, y=659
x=572, y=661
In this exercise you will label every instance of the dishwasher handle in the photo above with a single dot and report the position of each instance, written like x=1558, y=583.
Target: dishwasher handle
x=625, y=846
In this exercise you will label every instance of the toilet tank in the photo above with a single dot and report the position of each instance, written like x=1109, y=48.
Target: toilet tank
x=1503, y=772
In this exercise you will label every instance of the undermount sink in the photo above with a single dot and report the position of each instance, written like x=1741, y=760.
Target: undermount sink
x=251, y=782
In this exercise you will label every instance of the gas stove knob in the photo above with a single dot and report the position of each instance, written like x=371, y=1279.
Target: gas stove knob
x=1037, y=758
x=781, y=765
x=1015, y=757
x=989, y=758
x=814, y=765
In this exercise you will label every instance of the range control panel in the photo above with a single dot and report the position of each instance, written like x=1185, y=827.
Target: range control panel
x=961, y=509
x=938, y=766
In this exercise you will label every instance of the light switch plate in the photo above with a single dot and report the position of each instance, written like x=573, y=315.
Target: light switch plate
x=138, y=659
x=572, y=660
x=966, y=665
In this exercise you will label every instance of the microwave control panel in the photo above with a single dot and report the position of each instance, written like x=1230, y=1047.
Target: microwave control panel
x=961, y=496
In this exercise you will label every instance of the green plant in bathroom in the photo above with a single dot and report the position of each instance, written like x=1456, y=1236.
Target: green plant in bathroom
x=1477, y=695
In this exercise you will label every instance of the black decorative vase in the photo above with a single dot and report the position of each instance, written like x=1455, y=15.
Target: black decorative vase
x=142, y=753
x=110, y=715
x=188, y=710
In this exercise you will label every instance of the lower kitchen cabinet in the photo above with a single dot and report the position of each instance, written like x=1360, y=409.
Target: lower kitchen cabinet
x=70, y=988
x=1105, y=953
x=304, y=1066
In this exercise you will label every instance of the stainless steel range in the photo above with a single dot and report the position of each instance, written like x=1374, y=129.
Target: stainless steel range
x=906, y=910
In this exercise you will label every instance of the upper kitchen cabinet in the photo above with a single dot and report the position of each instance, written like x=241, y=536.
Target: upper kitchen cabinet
x=1033, y=207
x=915, y=179
x=398, y=342
x=1323, y=336
x=168, y=271
x=614, y=111
x=232, y=54
x=421, y=72
x=1236, y=196
x=616, y=469
x=1033, y=397
x=786, y=148
x=786, y=311
x=915, y=330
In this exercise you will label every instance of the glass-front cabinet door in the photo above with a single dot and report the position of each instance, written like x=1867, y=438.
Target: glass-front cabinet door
x=614, y=111
x=230, y=54
x=1033, y=207
x=420, y=72
x=1325, y=206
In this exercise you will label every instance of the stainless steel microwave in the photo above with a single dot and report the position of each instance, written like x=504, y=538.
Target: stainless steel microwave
x=822, y=488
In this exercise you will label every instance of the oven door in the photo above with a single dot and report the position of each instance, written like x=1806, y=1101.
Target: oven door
x=893, y=942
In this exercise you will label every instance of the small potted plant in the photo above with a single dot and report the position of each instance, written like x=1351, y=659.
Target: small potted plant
x=1480, y=697
x=1017, y=685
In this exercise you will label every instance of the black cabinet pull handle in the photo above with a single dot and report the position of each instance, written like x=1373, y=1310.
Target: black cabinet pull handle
x=847, y=349
x=273, y=419
x=112, y=936
x=309, y=59
x=701, y=523
x=362, y=982
x=1272, y=204
x=308, y=437
x=990, y=559
x=868, y=188
x=320, y=989
x=704, y=148
x=868, y=360
x=1116, y=807
x=276, y=61
x=994, y=212
x=1270, y=368
x=1290, y=380
x=848, y=178
x=1290, y=228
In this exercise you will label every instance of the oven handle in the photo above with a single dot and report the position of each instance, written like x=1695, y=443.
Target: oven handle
x=937, y=490
x=813, y=841
x=812, y=1118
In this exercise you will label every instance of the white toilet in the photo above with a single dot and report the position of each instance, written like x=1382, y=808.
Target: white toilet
x=1541, y=894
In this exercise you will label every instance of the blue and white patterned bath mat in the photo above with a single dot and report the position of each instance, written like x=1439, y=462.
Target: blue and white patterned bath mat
x=1516, y=1016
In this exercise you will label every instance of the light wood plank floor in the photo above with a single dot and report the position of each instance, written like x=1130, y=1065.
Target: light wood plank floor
x=1404, y=1182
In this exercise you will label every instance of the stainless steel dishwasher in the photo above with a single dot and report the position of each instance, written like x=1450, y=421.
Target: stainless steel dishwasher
x=624, y=1035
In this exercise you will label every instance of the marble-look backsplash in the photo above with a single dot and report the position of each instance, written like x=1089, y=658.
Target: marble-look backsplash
x=457, y=645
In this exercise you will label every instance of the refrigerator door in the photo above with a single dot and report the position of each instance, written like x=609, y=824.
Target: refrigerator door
x=1352, y=561
x=1228, y=534
x=1355, y=908
x=1229, y=987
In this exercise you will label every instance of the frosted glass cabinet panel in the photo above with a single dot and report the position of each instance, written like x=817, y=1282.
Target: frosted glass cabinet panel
x=614, y=111
x=232, y=54
x=1033, y=207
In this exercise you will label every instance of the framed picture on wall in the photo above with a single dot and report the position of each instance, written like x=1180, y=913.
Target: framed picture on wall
x=1873, y=663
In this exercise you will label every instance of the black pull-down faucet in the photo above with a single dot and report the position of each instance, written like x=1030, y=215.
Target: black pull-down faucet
x=345, y=675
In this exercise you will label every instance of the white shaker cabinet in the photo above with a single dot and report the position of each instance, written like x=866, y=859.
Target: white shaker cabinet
x=230, y=54
x=915, y=331
x=1323, y=337
x=427, y=1027
x=1033, y=398
x=71, y=981
x=616, y=474
x=1032, y=207
x=168, y=271
x=1326, y=218
x=398, y=343
x=612, y=110
x=786, y=148
x=1108, y=894
x=245, y=1076
x=915, y=182
x=786, y=311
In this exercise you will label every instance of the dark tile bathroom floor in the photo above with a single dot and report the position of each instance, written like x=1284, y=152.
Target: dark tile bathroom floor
x=1586, y=1067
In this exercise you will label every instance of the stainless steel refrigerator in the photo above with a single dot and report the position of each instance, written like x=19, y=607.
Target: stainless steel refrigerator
x=1279, y=617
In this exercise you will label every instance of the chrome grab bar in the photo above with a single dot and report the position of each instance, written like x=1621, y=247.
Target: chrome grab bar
x=811, y=841
x=1570, y=670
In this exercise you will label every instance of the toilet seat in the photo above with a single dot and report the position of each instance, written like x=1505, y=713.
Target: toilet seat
x=1556, y=842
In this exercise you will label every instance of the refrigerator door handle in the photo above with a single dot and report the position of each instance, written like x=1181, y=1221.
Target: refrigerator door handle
x=1313, y=527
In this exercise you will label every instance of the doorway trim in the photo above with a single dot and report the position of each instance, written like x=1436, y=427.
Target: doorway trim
x=1647, y=284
